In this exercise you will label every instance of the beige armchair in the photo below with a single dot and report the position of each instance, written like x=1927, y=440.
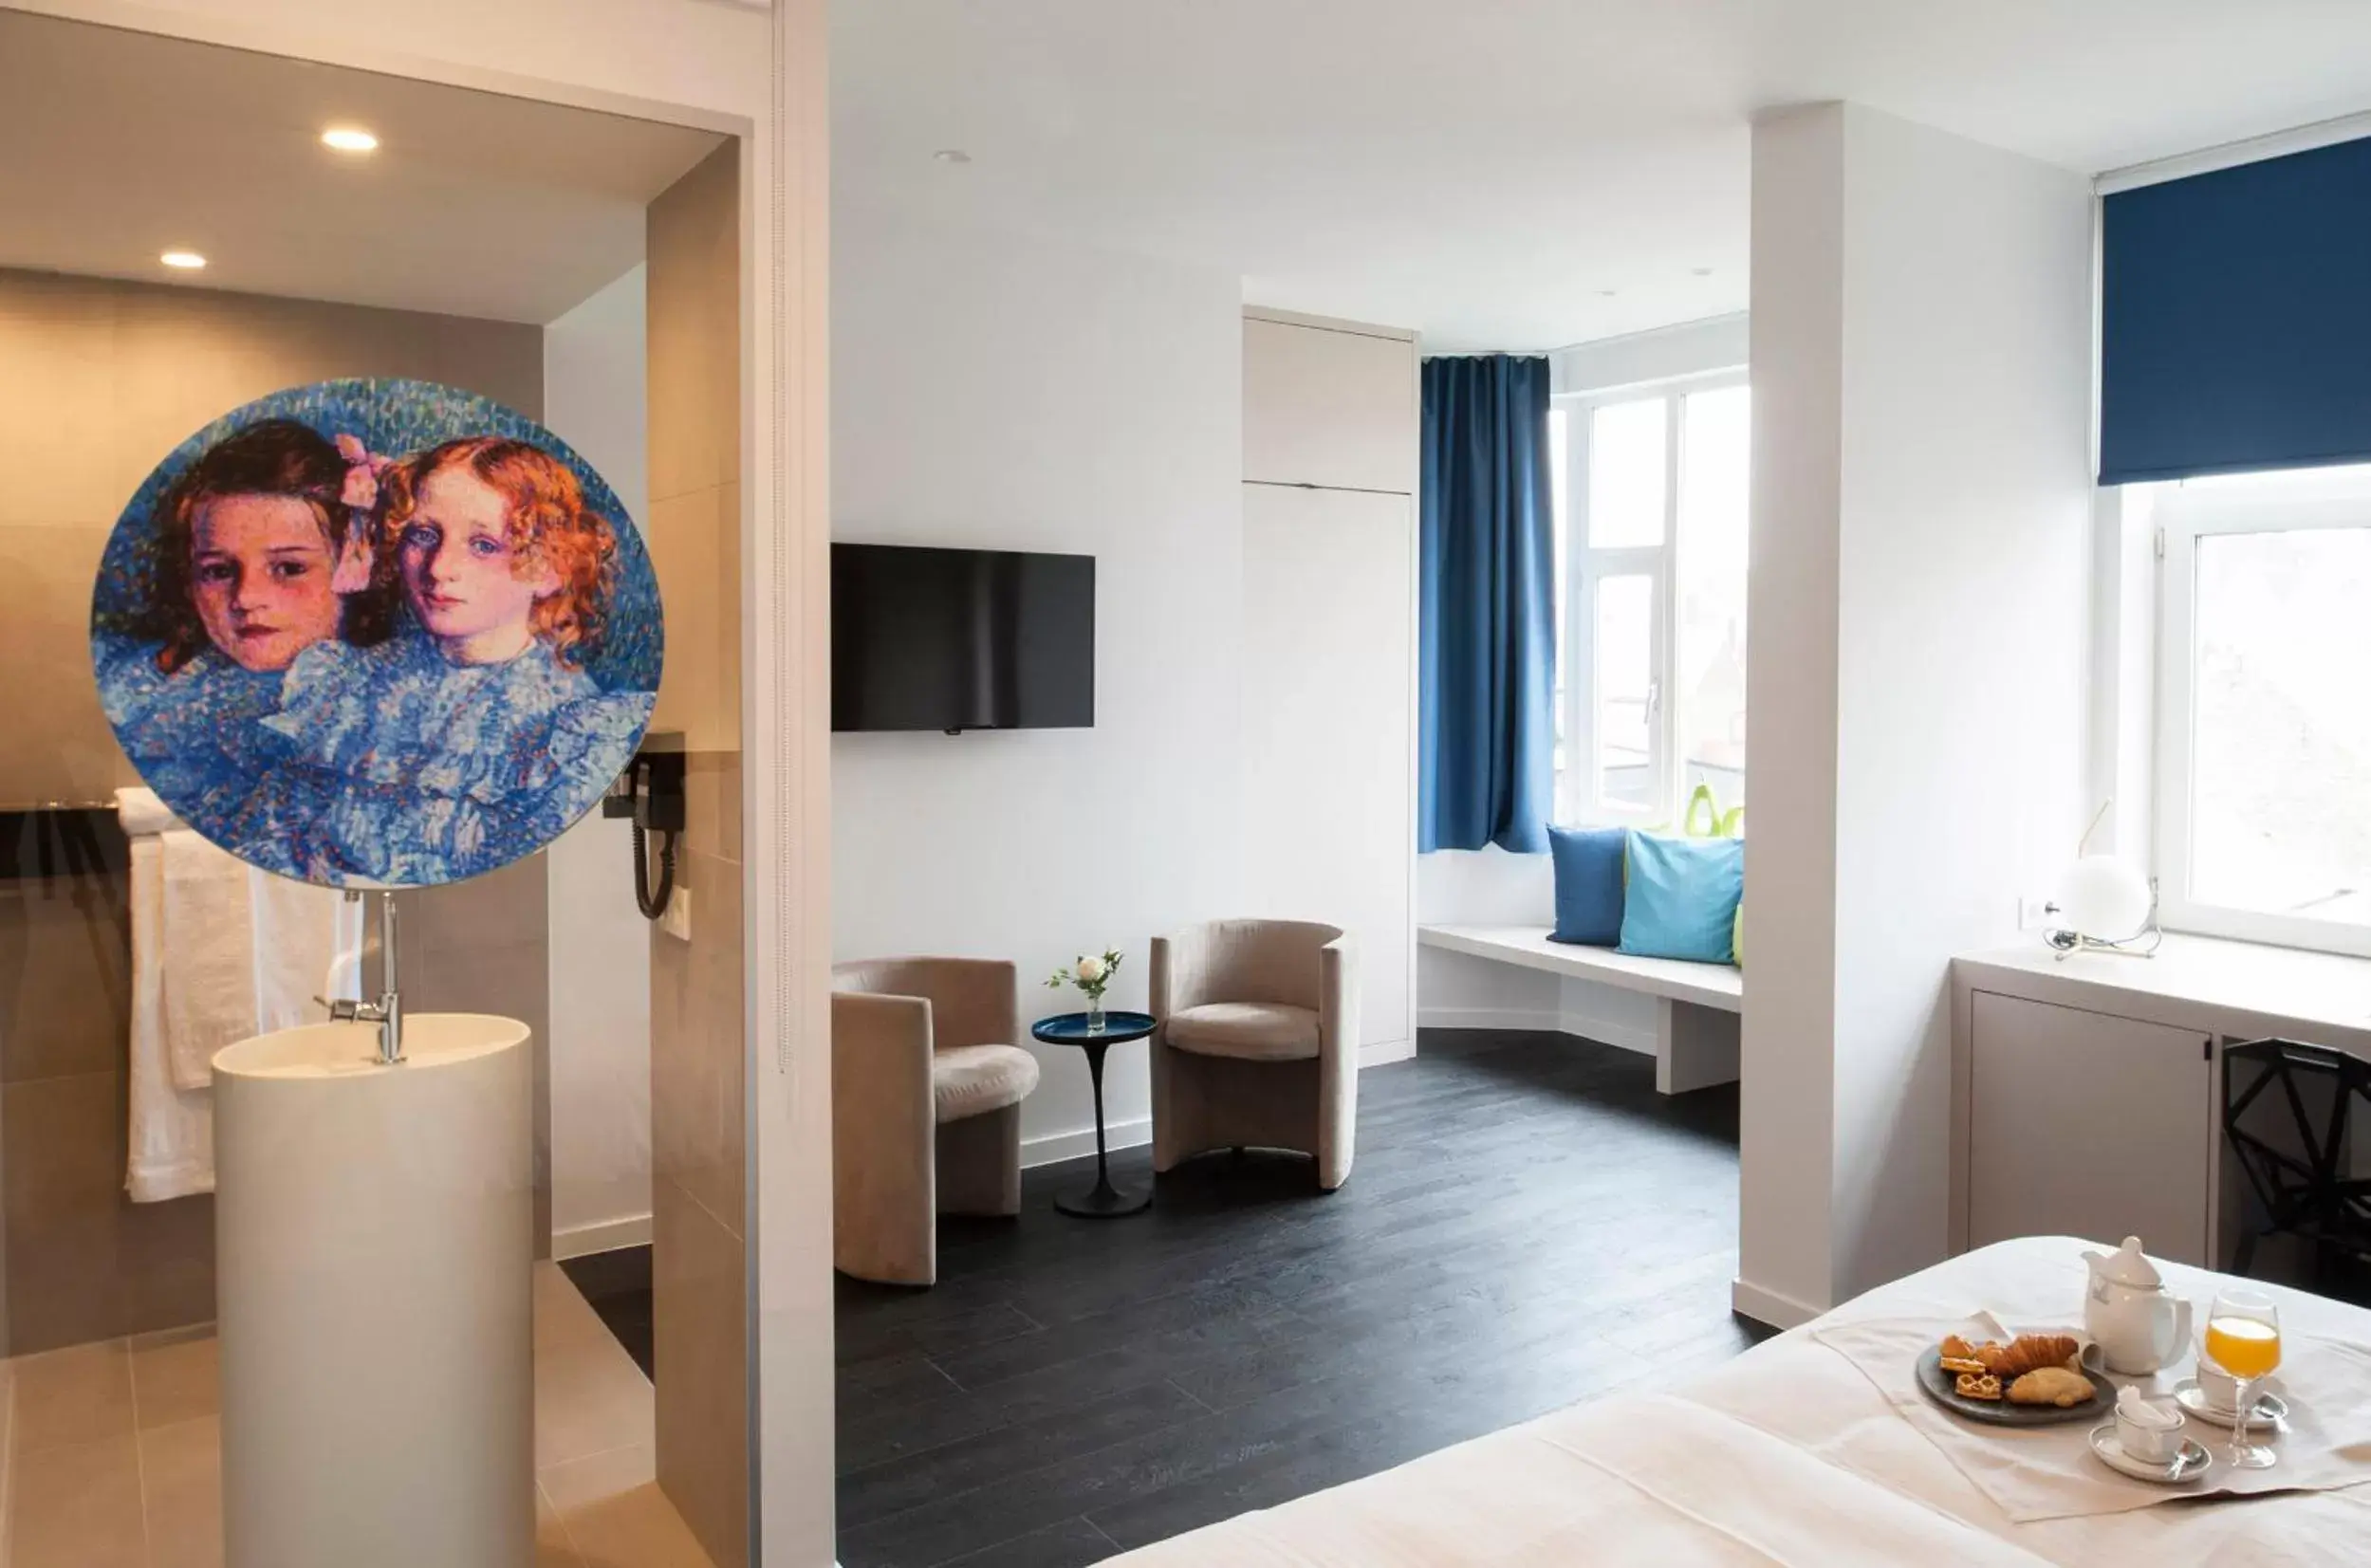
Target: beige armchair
x=1257, y=1043
x=926, y=1091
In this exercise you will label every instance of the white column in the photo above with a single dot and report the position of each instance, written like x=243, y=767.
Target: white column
x=1921, y=352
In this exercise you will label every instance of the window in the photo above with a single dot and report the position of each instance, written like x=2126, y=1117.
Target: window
x=1649, y=499
x=2264, y=718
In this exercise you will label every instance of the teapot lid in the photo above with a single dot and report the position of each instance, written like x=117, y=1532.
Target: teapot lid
x=2127, y=1267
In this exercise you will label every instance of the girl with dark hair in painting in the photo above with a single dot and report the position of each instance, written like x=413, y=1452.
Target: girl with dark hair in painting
x=244, y=574
x=473, y=735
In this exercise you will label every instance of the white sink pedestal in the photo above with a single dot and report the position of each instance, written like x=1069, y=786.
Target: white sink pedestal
x=374, y=1243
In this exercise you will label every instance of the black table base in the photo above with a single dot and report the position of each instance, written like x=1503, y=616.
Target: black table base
x=1102, y=1201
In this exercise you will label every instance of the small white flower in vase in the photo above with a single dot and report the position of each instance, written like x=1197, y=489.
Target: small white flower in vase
x=1091, y=974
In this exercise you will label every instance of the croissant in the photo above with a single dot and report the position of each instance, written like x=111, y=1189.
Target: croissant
x=2050, y=1386
x=2027, y=1352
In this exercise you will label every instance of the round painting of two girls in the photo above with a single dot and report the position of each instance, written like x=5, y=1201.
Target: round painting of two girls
x=377, y=632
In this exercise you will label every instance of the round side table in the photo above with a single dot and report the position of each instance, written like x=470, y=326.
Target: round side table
x=1102, y=1201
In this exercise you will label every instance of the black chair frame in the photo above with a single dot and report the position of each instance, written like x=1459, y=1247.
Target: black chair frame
x=2302, y=1189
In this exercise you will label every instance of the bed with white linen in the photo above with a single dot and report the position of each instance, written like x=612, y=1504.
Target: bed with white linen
x=1811, y=1450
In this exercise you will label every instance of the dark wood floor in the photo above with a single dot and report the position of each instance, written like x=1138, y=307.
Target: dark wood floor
x=1528, y=1224
x=618, y=1287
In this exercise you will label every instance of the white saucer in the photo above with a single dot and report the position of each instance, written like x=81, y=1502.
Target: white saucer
x=2193, y=1462
x=2270, y=1409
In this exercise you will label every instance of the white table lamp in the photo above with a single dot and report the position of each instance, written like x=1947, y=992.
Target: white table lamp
x=2104, y=904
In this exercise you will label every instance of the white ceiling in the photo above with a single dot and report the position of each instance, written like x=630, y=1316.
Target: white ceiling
x=117, y=145
x=1512, y=174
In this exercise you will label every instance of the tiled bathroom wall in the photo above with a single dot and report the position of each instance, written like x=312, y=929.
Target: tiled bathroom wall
x=103, y=378
x=483, y=947
x=698, y=1231
x=80, y=1262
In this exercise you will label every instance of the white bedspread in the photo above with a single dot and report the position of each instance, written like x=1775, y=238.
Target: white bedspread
x=1787, y=1455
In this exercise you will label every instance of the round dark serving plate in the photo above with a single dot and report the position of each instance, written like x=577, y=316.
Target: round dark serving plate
x=1942, y=1387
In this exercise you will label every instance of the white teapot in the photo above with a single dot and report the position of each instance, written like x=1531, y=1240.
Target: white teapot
x=2137, y=1324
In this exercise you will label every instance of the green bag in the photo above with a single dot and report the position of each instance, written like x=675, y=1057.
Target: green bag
x=1705, y=819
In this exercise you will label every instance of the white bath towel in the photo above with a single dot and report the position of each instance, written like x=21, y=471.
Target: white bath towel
x=173, y=1129
x=247, y=951
x=140, y=811
x=208, y=952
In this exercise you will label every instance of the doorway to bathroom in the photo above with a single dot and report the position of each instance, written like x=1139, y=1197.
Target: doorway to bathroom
x=192, y=229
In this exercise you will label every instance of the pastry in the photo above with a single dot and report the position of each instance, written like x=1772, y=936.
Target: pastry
x=1978, y=1385
x=1956, y=1349
x=2026, y=1353
x=1963, y=1364
x=2052, y=1384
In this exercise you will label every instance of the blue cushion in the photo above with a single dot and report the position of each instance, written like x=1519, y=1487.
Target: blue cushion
x=1683, y=897
x=1588, y=884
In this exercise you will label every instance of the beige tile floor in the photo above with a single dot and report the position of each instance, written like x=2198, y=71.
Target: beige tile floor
x=113, y=1451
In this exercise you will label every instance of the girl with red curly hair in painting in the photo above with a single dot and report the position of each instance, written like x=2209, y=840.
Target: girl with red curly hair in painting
x=473, y=735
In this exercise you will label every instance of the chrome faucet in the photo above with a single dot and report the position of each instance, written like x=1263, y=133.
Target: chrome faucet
x=387, y=1012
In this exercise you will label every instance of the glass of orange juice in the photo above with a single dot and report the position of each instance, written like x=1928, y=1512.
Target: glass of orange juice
x=2243, y=1336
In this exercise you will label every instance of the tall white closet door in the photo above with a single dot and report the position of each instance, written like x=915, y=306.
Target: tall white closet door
x=1329, y=717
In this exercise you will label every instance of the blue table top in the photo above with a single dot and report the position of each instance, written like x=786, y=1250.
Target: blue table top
x=1070, y=1028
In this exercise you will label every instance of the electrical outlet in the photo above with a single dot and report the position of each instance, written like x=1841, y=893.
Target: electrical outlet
x=675, y=919
x=2033, y=914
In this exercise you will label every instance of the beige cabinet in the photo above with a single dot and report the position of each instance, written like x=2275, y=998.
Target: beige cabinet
x=1333, y=406
x=1329, y=438
x=2087, y=1124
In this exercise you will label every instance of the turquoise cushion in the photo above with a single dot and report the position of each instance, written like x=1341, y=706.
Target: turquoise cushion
x=1683, y=897
x=1588, y=884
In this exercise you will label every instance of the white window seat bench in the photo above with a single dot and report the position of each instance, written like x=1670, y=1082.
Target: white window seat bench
x=1697, y=1006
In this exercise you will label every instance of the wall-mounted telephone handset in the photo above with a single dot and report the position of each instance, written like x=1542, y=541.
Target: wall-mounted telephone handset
x=651, y=792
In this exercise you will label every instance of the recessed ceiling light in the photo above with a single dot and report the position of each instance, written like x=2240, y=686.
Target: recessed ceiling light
x=349, y=138
x=188, y=260
x=1703, y=272
x=1607, y=293
x=951, y=155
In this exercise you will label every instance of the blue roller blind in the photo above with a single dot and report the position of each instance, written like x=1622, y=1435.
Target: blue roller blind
x=2236, y=319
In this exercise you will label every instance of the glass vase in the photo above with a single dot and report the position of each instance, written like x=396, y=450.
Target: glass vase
x=1095, y=1014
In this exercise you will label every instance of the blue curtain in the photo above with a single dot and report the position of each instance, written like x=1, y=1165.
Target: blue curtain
x=1486, y=620
x=2235, y=323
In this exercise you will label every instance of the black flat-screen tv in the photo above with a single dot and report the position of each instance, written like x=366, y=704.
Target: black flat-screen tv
x=961, y=639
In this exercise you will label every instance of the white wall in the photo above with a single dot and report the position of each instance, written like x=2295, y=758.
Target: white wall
x=1461, y=991
x=996, y=391
x=594, y=382
x=2123, y=716
x=1921, y=536
x=1664, y=353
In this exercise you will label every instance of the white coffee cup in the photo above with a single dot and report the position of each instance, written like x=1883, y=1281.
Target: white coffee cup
x=2149, y=1431
x=2219, y=1388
